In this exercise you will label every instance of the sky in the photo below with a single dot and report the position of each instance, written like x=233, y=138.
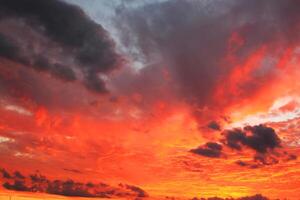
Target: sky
x=150, y=99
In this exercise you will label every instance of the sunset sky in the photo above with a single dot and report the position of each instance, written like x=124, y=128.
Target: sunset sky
x=150, y=99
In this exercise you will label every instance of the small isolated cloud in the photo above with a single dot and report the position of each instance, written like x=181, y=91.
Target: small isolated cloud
x=210, y=149
x=214, y=125
x=261, y=138
x=73, y=170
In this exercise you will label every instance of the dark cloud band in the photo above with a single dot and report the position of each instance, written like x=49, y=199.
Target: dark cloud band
x=39, y=183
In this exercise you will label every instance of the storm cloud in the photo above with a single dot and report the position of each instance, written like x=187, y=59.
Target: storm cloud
x=202, y=43
x=67, y=44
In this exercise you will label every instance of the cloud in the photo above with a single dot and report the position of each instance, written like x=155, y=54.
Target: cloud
x=68, y=44
x=292, y=157
x=5, y=174
x=139, y=191
x=210, y=149
x=18, y=175
x=73, y=170
x=8, y=49
x=217, y=50
x=214, y=125
x=241, y=163
x=39, y=183
x=17, y=185
x=261, y=140
x=254, y=197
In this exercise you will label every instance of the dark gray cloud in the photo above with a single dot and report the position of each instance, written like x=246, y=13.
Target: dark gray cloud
x=17, y=185
x=39, y=183
x=214, y=125
x=8, y=48
x=139, y=191
x=58, y=38
x=254, y=197
x=210, y=149
x=18, y=175
x=5, y=174
x=241, y=163
x=261, y=140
